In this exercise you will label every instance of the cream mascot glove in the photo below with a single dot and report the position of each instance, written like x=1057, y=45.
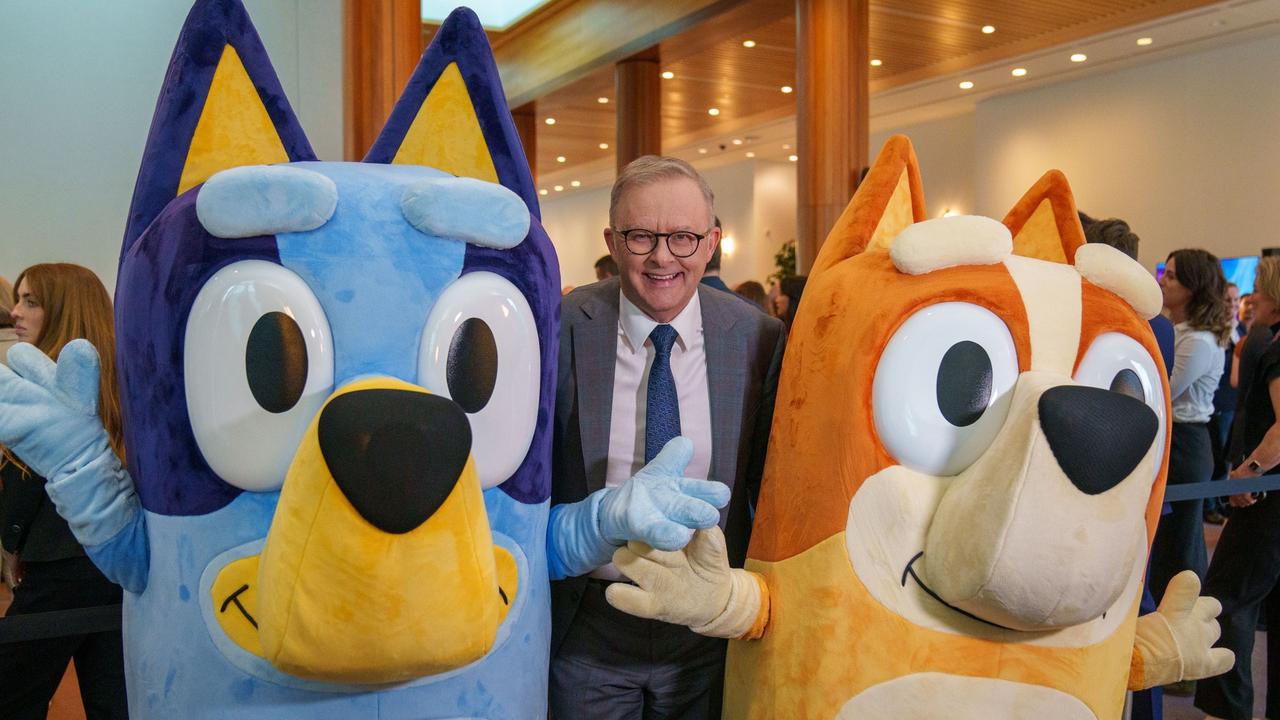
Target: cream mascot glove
x=1176, y=641
x=694, y=587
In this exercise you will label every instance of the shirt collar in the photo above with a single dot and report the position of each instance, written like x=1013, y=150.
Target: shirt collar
x=635, y=325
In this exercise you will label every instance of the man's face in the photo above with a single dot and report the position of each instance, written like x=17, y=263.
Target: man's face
x=660, y=283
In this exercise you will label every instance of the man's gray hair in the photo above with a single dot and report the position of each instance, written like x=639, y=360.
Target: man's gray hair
x=648, y=169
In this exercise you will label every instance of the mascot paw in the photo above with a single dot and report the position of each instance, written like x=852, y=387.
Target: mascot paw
x=1176, y=641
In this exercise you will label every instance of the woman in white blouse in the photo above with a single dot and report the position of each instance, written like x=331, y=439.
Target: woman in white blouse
x=1195, y=299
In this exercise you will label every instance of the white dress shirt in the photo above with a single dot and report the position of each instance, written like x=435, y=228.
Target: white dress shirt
x=1197, y=368
x=631, y=388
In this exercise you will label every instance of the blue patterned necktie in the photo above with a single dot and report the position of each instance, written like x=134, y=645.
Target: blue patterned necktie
x=662, y=407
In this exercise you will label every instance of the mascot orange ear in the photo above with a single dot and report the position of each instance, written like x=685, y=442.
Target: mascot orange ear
x=890, y=198
x=1044, y=223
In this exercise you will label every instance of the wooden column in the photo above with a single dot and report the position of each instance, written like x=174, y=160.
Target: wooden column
x=382, y=41
x=639, y=107
x=526, y=120
x=831, y=115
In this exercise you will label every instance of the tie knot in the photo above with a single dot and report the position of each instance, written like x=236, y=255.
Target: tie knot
x=663, y=337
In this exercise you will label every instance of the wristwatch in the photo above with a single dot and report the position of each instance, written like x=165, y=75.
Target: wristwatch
x=1254, y=466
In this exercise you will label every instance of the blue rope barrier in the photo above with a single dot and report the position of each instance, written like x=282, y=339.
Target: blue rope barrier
x=1220, y=488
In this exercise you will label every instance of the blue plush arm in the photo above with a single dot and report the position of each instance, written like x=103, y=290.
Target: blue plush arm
x=658, y=506
x=49, y=419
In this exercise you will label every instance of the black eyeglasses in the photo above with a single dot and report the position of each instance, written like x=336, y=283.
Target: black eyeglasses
x=681, y=243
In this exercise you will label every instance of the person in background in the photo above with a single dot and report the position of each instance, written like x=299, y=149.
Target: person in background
x=1224, y=410
x=8, y=337
x=1195, y=298
x=1246, y=563
x=753, y=292
x=712, y=275
x=606, y=267
x=42, y=561
x=788, y=302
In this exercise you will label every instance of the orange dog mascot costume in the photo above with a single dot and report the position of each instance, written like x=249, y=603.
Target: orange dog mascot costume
x=966, y=468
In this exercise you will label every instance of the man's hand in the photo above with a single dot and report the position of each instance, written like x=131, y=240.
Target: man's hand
x=1176, y=641
x=49, y=411
x=659, y=506
x=694, y=587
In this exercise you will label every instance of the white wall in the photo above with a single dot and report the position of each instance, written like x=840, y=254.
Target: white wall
x=1186, y=150
x=947, y=161
x=79, y=84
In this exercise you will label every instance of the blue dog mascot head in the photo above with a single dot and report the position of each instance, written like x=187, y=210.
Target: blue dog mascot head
x=337, y=383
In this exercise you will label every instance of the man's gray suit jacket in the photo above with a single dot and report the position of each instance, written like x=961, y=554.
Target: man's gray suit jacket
x=744, y=353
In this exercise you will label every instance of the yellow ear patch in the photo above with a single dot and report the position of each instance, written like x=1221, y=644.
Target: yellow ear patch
x=234, y=128
x=898, y=215
x=446, y=134
x=1039, y=237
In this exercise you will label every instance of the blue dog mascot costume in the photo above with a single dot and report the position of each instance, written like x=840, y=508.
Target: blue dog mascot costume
x=337, y=382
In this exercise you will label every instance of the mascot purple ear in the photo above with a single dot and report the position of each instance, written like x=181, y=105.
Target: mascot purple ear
x=221, y=106
x=453, y=114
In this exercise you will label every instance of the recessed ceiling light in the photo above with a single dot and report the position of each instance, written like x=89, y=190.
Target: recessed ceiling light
x=558, y=188
x=702, y=151
x=737, y=141
x=988, y=29
x=786, y=89
x=603, y=146
x=750, y=154
x=1079, y=57
x=543, y=191
x=1144, y=41
x=576, y=183
x=876, y=62
x=560, y=158
x=550, y=121
x=1018, y=72
x=966, y=85
x=602, y=100
x=786, y=146
x=713, y=111
x=668, y=75
x=748, y=43
x=793, y=158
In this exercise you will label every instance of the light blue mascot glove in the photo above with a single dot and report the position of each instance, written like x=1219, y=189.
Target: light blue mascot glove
x=658, y=506
x=49, y=419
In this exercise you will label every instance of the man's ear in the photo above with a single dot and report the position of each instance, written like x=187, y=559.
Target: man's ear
x=221, y=106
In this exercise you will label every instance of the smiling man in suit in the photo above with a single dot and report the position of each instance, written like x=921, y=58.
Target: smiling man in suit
x=646, y=357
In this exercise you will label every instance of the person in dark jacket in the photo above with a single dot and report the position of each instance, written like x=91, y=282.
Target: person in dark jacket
x=42, y=561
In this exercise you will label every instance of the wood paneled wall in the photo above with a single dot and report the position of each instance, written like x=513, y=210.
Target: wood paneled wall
x=382, y=43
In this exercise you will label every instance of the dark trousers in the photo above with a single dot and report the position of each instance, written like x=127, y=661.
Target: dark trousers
x=613, y=666
x=1179, y=542
x=30, y=671
x=1245, y=570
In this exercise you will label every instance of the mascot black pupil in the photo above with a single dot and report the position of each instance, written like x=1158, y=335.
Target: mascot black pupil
x=275, y=361
x=964, y=383
x=1126, y=382
x=472, y=368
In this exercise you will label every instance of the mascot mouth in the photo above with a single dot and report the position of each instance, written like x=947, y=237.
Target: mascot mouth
x=909, y=571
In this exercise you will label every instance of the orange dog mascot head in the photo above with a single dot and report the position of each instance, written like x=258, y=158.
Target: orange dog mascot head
x=966, y=468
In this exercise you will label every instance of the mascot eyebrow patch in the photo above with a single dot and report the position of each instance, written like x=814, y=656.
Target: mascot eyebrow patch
x=479, y=212
x=265, y=200
x=950, y=241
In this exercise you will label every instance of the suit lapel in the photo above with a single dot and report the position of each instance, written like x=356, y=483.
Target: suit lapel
x=595, y=348
x=726, y=383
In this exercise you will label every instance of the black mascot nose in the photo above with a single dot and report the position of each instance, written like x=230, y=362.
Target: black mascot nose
x=396, y=454
x=1098, y=436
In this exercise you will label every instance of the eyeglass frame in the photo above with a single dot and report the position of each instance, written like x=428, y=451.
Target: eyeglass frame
x=657, y=236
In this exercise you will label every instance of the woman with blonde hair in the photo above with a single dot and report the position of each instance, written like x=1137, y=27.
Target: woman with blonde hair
x=1246, y=564
x=1195, y=299
x=43, y=563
